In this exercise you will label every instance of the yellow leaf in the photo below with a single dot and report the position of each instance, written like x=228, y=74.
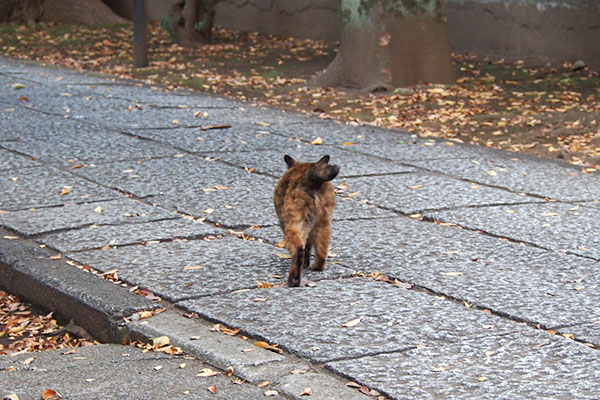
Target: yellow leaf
x=352, y=323
x=272, y=393
x=348, y=144
x=481, y=379
x=263, y=384
x=209, y=211
x=160, y=341
x=65, y=190
x=206, y=372
x=98, y=210
x=415, y=216
x=175, y=122
x=510, y=211
x=317, y=141
x=549, y=214
x=416, y=186
x=283, y=255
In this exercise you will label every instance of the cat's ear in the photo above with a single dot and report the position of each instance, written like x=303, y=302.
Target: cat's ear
x=289, y=161
x=323, y=160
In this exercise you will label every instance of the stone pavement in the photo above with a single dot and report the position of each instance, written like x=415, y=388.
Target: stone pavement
x=454, y=271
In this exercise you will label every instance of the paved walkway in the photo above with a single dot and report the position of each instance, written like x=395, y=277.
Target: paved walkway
x=454, y=271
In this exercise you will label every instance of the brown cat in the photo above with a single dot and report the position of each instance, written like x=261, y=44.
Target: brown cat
x=304, y=201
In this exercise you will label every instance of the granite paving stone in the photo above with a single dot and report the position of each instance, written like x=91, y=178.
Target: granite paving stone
x=110, y=371
x=19, y=122
x=98, y=236
x=70, y=216
x=523, y=282
x=47, y=186
x=415, y=192
x=13, y=161
x=551, y=225
x=538, y=177
x=586, y=333
x=249, y=202
x=308, y=321
x=208, y=137
x=527, y=364
x=271, y=161
x=88, y=145
x=190, y=268
x=175, y=175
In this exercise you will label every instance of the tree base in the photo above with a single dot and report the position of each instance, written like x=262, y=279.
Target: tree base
x=408, y=52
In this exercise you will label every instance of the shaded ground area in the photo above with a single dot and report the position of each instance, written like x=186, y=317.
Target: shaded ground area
x=547, y=111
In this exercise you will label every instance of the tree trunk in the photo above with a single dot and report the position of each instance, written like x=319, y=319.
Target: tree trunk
x=390, y=43
x=81, y=12
x=21, y=11
x=191, y=24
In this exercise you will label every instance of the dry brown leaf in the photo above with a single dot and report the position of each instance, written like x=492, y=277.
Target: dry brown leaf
x=307, y=392
x=212, y=389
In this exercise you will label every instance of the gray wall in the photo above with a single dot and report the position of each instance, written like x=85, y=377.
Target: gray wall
x=537, y=31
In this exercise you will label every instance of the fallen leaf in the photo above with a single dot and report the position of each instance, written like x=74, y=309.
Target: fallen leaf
x=352, y=323
x=160, y=341
x=317, y=141
x=284, y=255
x=306, y=392
x=50, y=394
x=212, y=389
x=207, y=372
x=98, y=210
x=481, y=379
x=65, y=191
x=263, y=384
x=28, y=361
x=453, y=273
x=271, y=393
x=158, y=367
x=353, y=385
x=193, y=267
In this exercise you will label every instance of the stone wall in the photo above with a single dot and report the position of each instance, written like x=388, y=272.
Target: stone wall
x=537, y=31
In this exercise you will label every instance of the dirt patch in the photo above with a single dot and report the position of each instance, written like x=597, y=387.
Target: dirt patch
x=549, y=111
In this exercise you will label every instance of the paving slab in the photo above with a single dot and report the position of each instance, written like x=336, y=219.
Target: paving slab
x=47, y=186
x=73, y=145
x=271, y=161
x=522, y=282
x=98, y=236
x=249, y=202
x=381, y=317
x=186, y=269
x=111, y=371
x=210, y=136
x=527, y=175
x=586, y=333
x=286, y=374
x=13, y=161
x=525, y=365
x=411, y=193
x=70, y=216
x=175, y=175
x=551, y=225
